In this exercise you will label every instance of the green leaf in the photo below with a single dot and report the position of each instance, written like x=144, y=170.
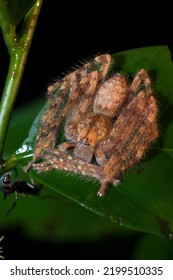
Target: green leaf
x=68, y=221
x=4, y=17
x=50, y=216
x=20, y=125
x=17, y=9
x=143, y=201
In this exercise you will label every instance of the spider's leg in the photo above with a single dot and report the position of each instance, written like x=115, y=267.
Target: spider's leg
x=46, y=132
x=52, y=88
x=147, y=132
x=135, y=137
x=141, y=79
x=82, y=95
x=43, y=166
x=125, y=124
x=83, y=87
x=135, y=152
x=101, y=64
x=100, y=156
x=72, y=86
x=79, y=107
x=88, y=84
x=62, y=161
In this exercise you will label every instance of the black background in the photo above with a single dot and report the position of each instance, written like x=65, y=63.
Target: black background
x=69, y=32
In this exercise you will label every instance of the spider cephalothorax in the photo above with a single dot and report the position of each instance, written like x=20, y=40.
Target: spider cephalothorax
x=108, y=123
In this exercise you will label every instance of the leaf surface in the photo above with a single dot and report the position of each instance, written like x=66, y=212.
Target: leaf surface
x=144, y=200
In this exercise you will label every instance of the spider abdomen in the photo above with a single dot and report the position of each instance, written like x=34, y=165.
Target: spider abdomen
x=111, y=96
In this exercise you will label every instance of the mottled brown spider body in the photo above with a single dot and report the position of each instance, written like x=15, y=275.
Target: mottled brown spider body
x=108, y=123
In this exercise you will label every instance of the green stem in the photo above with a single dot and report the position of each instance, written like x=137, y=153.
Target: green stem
x=14, y=160
x=18, y=50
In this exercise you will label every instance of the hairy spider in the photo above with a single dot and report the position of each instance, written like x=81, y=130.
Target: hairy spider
x=108, y=123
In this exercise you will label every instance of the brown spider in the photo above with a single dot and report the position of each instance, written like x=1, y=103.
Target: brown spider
x=108, y=124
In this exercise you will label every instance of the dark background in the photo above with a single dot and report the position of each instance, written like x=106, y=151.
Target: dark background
x=69, y=32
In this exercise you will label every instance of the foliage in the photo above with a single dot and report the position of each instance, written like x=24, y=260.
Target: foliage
x=143, y=201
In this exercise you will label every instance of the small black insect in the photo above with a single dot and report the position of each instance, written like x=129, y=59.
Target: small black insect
x=9, y=186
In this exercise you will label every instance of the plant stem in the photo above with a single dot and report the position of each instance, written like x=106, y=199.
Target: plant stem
x=18, y=50
x=13, y=161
